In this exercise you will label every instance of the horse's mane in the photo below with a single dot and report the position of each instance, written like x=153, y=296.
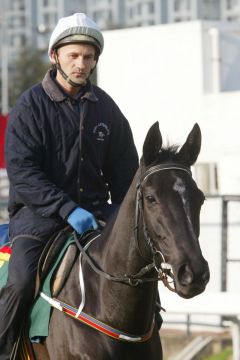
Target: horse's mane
x=168, y=153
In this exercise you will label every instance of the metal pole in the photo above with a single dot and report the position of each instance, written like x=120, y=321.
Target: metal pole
x=4, y=79
x=215, y=59
x=224, y=244
x=4, y=63
x=236, y=340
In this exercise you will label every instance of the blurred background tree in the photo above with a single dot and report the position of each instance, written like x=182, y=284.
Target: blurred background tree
x=28, y=69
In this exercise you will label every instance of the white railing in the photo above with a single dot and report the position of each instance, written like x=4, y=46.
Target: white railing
x=222, y=304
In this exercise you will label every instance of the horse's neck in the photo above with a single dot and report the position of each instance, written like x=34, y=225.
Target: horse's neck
x=122, y=237
x=118, y=255
x=121, y=240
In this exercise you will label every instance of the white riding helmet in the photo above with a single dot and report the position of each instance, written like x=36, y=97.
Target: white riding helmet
x=76, y=28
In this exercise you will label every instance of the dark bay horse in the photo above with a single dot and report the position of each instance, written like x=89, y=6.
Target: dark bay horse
x=157, y=227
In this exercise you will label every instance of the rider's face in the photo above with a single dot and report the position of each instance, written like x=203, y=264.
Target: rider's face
x=77, y=61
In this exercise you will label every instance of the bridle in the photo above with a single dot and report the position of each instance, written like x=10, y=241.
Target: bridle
x=138, y=278
x=139, y=206
x=163, y=273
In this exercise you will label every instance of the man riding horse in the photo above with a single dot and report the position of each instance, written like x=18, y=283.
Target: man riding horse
x=69, y=149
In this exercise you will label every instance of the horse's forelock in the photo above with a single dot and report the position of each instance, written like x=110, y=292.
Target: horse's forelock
x=168, y=153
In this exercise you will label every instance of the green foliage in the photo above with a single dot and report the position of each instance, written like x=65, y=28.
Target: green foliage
x=223, y=355
x=28, y=69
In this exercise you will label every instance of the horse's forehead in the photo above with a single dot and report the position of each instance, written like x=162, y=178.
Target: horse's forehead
x=174, y=179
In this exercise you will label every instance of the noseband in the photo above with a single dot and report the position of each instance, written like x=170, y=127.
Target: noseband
x=138, y=279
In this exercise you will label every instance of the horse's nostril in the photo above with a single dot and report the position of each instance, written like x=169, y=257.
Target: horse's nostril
x=185, y=275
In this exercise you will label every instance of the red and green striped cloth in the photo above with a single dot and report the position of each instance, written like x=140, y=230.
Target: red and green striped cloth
x=5, y=253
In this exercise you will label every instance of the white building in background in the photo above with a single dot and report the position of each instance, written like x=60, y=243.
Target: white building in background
x=179, y=74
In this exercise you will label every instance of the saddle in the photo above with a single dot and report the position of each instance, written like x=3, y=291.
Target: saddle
x=51, y=252
x=48, y=257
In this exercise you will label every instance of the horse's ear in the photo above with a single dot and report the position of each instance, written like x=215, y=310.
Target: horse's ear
x=152, y=144
x=191, y=149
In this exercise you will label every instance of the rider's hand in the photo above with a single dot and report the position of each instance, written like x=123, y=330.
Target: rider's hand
x=82, y=220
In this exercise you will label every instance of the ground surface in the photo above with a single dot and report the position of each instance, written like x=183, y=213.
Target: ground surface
x=173, y=341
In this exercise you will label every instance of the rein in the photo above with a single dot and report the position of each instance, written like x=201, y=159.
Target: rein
x=80, y=315
x=132, y=280
x=138, y=279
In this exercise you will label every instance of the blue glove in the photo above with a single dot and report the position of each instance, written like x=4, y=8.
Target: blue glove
x=81, y=220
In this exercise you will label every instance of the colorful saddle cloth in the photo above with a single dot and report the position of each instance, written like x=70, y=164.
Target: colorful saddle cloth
x=5, y=253
x=3, y=234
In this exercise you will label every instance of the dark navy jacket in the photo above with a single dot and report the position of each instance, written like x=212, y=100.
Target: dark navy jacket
x=58, y=159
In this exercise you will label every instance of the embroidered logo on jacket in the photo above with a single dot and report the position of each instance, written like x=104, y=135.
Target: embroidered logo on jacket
x=101, y=130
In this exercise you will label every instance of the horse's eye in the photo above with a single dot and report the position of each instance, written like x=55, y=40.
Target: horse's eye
x=151, y=199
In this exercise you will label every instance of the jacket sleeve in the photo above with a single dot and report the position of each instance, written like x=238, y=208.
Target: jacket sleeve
x=24, y=155
x=122, y=157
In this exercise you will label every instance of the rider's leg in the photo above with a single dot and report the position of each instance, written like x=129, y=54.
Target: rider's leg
x=17, y=296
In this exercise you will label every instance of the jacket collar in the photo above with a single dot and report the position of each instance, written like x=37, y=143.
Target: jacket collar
x=54, y=92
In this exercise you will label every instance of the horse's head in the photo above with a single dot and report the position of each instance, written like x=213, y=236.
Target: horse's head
x=170, y=205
